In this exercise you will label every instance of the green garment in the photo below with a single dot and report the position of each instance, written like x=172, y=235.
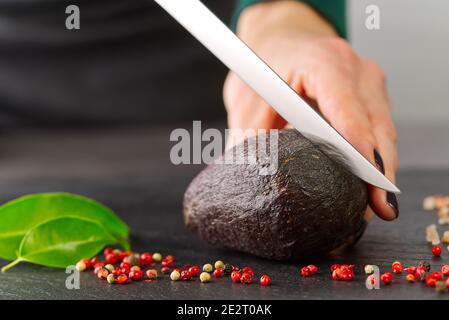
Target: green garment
x=333, y=10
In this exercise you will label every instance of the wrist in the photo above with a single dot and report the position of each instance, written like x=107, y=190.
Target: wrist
x=262, y=21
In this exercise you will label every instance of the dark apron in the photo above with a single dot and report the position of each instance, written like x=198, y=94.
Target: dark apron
x=129, y=64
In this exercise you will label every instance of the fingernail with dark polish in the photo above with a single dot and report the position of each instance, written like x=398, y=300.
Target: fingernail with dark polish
x=393, y=202
x=379, y=161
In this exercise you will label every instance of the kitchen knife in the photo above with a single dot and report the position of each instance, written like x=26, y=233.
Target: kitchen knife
x=237, y=56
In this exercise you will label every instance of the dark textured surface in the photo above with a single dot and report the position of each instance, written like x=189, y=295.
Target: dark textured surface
x=103, y=166
x=310, y=205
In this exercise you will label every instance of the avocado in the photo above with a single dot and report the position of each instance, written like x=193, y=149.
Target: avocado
x=309, y=206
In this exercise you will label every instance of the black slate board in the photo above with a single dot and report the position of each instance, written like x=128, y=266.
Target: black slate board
x=151, y=205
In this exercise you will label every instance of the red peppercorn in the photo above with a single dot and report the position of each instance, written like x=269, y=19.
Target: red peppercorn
x=145, y=259
x=185, y=275
x=165, y=270
x=396, y=267
x=410, y=270
x=107, y=251
x=431, y=281
x=445, y=269
x=93, y=261
x=194, y=271
x=305, y=272
x=265, y=280
x=235, y=276
x=121, y=279
x=336, y=274
x=170, y=258
x=103, y=273
x=246, y=278
x=386, y=278
x=125, y=265
x=410, y=278
x=98, y=267
x=420, y=273
x=335, y=266
x=218, y=273
x=436, y=251
x=111, y=258
x=168, y=263
x=248, y=270
x=313, y=269
x=135, y=274
x=437, y=275
x=123, y=254
x=347, y=275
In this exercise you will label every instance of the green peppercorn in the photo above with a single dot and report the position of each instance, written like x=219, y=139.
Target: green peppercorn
x=175, y=275
x=110, y=278
x=133, y=259
x=440, y=287
x=157, y=257
x=205, y=277
x=135, y=268
x=110, y=267
x=219, y=264
x=425, y=265
x=208, y=267
x=81, y=266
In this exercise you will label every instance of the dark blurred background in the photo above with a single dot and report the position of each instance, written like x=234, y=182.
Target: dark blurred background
x=129, y=64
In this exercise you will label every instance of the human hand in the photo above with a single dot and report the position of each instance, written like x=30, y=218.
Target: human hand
x=348, y=90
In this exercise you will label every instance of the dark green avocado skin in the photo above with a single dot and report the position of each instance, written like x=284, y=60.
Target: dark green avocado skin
x=310, y=206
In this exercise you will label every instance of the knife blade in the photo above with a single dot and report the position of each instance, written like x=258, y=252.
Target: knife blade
x=207, y=28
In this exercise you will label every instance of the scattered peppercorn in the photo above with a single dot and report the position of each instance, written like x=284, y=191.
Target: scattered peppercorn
x=145, y=259
x=208, y=267
x=343, y=272
x=265, y=280
x=440, y=287
x=218, y=273
x=248, y=270
x=110, y=278
x=436, y=251
x=410, y=270
x=369, y=269
x=246, y=278
x=396, y=267
x=107, y=251
x=420, y=273
x=205, y=277
x=165, y=270
x=103, y=273
x=185, y=275
x=235, y=276
x=157, y=257
x=167, y=263
x=305, y=272
x=111, y=258
x=219, y=264
x=425, y=265
x=81, y=265
x=121, y=279
x=175, y=275
x=437, y=275
x=194, y=271
x=135, y=274
x=386, y=278
x=313, y=268
x=410, y=278
x=445, y=269
x=133, y=259
x=110, y=267
x=135, y=268
x=335, y=266
x=151, y=274
x=227, y=269
x=431, y=281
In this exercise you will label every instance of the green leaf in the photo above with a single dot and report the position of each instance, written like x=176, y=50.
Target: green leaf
x=61, y=242
x=18, y=216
